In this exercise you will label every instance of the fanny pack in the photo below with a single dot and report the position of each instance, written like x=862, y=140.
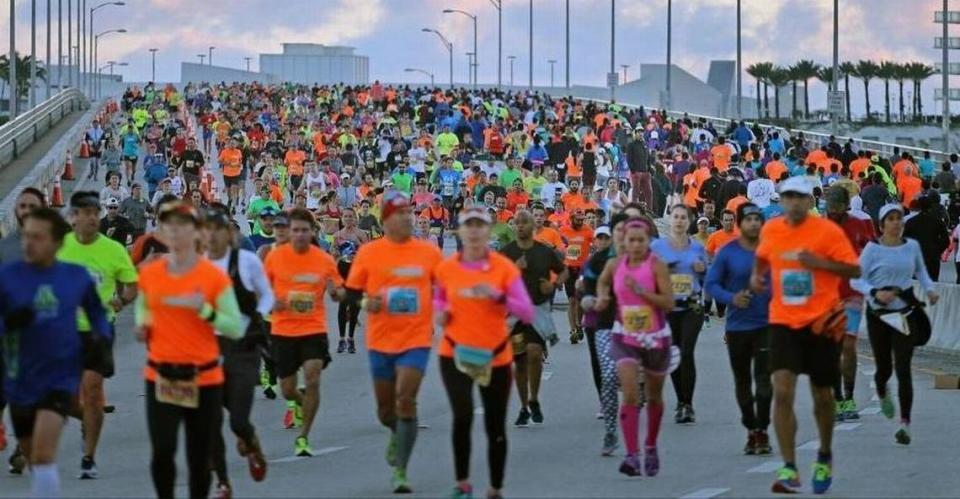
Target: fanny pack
x=177, y=383
x=911, y=321
x=474, y=361
x=832, y=324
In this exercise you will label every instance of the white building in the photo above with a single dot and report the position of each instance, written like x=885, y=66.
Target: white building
x=310, y=63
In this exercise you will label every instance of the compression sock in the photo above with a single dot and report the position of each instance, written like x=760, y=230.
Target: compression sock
x=46, y=480
x=406, y=438
x=629, y=425
x=654, y=417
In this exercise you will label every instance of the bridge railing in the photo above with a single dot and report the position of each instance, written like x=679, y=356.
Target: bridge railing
x=18, y=134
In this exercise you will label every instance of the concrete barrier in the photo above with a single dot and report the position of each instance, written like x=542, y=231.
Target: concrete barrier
x=945, y=318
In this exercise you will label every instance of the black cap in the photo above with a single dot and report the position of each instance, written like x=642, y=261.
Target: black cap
x=85, y=199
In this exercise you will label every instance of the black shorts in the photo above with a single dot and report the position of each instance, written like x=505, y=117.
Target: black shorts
x=523, y=335
x=132, y=159
x=98, y=356
x=232, y=181
x=570, y=285
x=801, y=352
x=290, y=352
x=24, y=416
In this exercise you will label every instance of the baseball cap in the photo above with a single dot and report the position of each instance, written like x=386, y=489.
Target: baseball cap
x=112, y=203
x=268, y=212
x=474, y=214
x=603, y=230
x=703, y=219
x=598, y=188
x=887, y=208
x=796, y=185
x=747, y=209
x=393, y=202
x=179, y=209
x=774, y=197
x=85, y=199
x=345, y=176
x=217, y=217
x=281, y=219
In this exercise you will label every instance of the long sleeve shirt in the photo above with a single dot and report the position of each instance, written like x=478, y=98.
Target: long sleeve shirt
x=730, y=274
x=884, y=266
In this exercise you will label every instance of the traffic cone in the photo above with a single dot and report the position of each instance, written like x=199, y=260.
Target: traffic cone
x=56, y=198
x=68, y=168
x=84, y=150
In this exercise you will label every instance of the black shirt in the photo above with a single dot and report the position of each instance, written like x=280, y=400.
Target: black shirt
x=191, y=155
x=540, y=261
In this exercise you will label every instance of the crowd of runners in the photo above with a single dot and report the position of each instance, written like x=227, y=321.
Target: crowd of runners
x=453, y=223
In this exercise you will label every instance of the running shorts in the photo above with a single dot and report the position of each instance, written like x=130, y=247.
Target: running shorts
x=24, y=416
x=570, y=285
x=384, y=365
x=231, y=181
x=98, y=356
x=290, y=352
x=854, y=311
x=655, y=361
x=802, y=352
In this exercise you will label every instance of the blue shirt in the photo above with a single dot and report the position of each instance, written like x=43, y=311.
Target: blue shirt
x=730, y=274
x=131, y=144
x=772, y=210
x=681, y=264
x=46, y=355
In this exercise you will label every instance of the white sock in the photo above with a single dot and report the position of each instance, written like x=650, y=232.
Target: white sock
x=46, y=480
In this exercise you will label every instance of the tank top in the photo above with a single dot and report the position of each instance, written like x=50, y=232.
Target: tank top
x=643, y=324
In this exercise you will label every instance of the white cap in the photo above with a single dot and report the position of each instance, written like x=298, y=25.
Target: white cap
x=474, y=214
x=887, y=208
x=345, y=176
x=798, y=185
x=598, y=188
x=112, y=202
x=603, y=230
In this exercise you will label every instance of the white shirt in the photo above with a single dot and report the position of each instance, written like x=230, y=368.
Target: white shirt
x=490, y=168
x=253, y=277
x=417, y=157
x=548, y=193
x=759, y=191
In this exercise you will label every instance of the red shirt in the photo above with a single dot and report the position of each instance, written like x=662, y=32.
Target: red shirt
x=860, y=232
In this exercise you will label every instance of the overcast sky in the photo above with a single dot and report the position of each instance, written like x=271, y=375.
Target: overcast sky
x=388, y=31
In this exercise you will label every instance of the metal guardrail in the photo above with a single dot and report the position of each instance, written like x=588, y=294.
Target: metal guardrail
x=18, y=134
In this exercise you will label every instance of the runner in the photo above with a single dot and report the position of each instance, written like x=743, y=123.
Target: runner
x=577, y=240
x=346, y=242
x=686, y=259
x=183, y=300
x=116, y=278
x=641, y=284
x=396, y=274
x=300, y=274
x=747, y=335
x=536, y=262
x=231, y=160
x=888, y=268
x=476, y=288
x=241, y=360
x=806, y=257
x=43, y=352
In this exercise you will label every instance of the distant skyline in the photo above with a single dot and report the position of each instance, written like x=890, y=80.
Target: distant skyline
x=388, y=31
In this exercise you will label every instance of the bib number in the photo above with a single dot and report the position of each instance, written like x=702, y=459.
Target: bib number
x=184, y=394
x=403, y=301
x=574, y=252
x=796, y=286
x=448, y=190
x=637, y=318
x=682, y=284
x=301, y=302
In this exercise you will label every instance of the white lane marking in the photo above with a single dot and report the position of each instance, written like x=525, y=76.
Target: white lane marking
x=869, y=372
x=846, y=427
x=811, y=445
x=870, y=411
x=767, y=467
x=704, y=493
x=546, y=375
x=423, y=426
x=293, y=459
x=478, y=411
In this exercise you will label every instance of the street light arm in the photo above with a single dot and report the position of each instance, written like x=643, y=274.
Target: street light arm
x=497, y=4
x=443, y=39
x=451, y=11
x=104, y=4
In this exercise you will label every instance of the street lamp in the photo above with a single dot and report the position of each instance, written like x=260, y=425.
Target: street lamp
x=475, y=58
x=739, y=65
x=201, y=56
x=470, y=58
x=93, y=39
x=13, y=62
x=666, y=94
x=511, y=58
x=210, y=55
x=415, y=70
x=96, y=43
x=624, y=66
x=33, y=54
x=530, y=81
x=498, y=4
x=551, y=62
x=248, y=63
x=447, y=44
x=153, y=65
x=110, y=64
x=567, y=62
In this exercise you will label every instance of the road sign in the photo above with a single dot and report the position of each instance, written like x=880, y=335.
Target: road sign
x=613, y=79
x=837, y=102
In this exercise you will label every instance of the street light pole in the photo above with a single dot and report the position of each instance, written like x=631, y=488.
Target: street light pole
x=835, y=117
x=33, y=54
x=447, y=44
x=511, y=58
x=93, y=63
x=567, y=62
x=739, y=65
x=12, y=102
x=624, y=66
x=59, y=45
x=552, y=62
x=153, y=65
x=613, y=48
x=530, y=82
x=84, y=51
x=945, y=76
x=470, y=56
x=416, y=70
x=248, y=63
x=201, y=56
x=96, y=52
x=498, y=4
x=69, y=42
x=210, y=55
x=666, y=99
x=47, y=61
x=473, y=67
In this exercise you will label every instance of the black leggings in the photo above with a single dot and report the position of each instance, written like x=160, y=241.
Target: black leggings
x=240, y=369
x=746, y=348
x=163, y=422
x=495, y=397
x=348, y=312
x=892, y=350
x=685, y=329
x=594, y=360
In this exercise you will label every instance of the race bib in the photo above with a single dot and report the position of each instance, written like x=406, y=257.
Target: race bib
x=435, y=231
x=190, y=163
x=636, y=318
x=301, y=302
x=403, y=301
x=448, y=190
x=682, y=284
x=574, y=252
x=179, y=393
x=796, y=286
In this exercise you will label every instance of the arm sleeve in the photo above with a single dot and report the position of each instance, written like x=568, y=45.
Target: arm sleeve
x=227, y=320
x=715, y=277
x=141, y=314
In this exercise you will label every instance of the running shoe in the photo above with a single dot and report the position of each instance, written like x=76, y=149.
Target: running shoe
x=690, y=417
x=301, y=447
x=399, y=482
x=391, y=454
x=838, y=414
x=822, y=477
x=750, y=448
x=223, y=491
x=269, y=393
x=787, y=482
x=903, y=434
x=850, y=411
x=3, y=437
x=351, y=346
x=886, y=406
x=256, y=461
x=88, y=468
x=288, y=415
x=651, y=461
x=553, y=339
x=631, y=466
x=609, y=444
x=297, y=415
x=763, y=443
x=678, y=414
x=342, y=346
x=535, y=414
x=17, y=461
x=574, y=339
x=462, y=492
x=523, y=420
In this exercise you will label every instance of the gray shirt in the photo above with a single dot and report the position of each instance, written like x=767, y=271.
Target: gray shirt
x=136, y=212
x=894, y=266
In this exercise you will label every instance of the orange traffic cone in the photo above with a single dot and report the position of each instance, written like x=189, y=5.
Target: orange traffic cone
x=56, y=198
x=68, y=168
x=84, y=149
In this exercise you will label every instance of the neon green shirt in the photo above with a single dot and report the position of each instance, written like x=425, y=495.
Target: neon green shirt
x=533, y=185
x=446, y=142
x=108, y=264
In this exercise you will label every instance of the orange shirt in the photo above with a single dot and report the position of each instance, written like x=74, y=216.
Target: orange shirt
x=232, y=161
x=550, y=237
x=775, y=169
x=300, y=279
x=901, y=166
x=176, y=334
x=909, y=187
x=700, y=176
x=573, y=168
x=476, y=322
x=573, y=201
x=857, y=166
x=515, y=198
x=504, y=216
x=734, y=203
x=691, y=194
x=720, y=239
x=578, y=245
x=402, y=275
x=722, y=156
x=801, y=295
x=815, y=156
x=294, y=159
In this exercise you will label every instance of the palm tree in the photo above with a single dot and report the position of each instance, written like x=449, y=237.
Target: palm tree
x=847, y=69
x=804, y=70
x=779, y=77
x=23, y=73
x=866, y=71
x=888, y=71
x=902, y=74
x=917, y=72
x=794, y=76
x=761, y=72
